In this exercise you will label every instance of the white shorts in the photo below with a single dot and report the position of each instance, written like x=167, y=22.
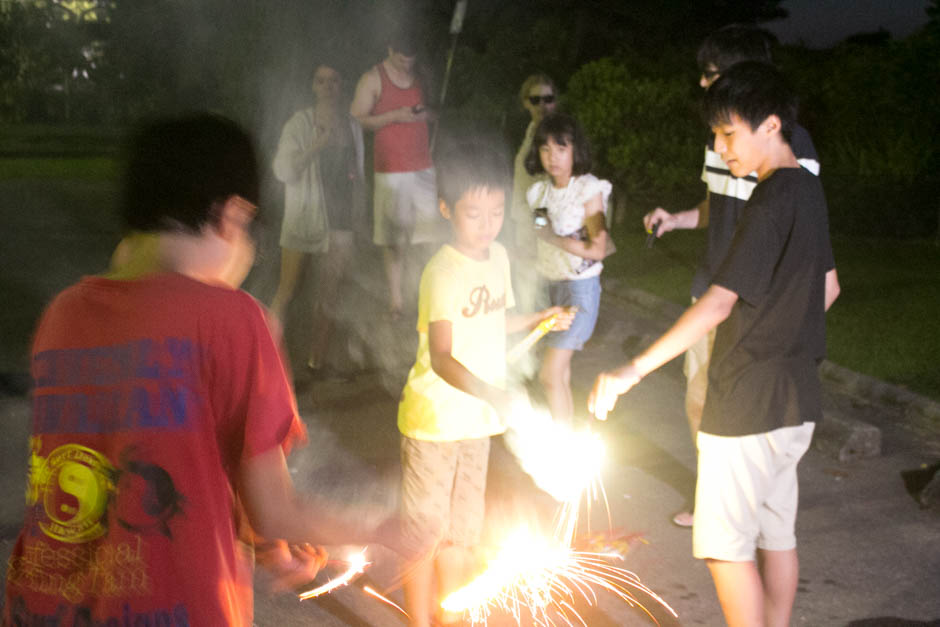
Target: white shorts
x=405, y=209
x=747, y=492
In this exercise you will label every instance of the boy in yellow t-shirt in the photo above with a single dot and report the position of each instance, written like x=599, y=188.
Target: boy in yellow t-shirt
x=456, y=397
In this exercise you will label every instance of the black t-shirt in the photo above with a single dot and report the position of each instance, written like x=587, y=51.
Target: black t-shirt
x=763, y=370
x=726, y=197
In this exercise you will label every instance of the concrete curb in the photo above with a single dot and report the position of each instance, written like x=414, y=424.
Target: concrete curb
x=845, y=380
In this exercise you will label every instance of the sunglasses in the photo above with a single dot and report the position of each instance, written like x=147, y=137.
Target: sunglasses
x=547, y=99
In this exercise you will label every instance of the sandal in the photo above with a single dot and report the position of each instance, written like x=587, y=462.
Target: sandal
x=683, y=519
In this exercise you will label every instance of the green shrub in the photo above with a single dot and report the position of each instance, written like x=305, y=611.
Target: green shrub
x=872, y=110
x=646, y=133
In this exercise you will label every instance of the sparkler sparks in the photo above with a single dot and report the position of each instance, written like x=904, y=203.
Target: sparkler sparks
x=357, y=565
x=374, y=593
x=545, y=576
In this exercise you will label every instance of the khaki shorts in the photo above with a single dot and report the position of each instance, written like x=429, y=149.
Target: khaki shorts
x=747, y=492
x=405, y=209
x=442, y=492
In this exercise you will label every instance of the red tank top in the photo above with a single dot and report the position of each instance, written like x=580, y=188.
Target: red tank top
x=400, y=147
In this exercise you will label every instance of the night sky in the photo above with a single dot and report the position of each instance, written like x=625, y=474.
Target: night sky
x=823, y=23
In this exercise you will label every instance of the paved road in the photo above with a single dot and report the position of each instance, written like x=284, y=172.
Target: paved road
x=870, y=556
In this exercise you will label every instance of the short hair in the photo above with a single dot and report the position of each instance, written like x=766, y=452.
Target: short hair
x=735, y=43
x=469, y=164
x=178, y=169
x=327, y=63
x=562, y=129
x=536, y=79
x=405, y=40
x=752, y=91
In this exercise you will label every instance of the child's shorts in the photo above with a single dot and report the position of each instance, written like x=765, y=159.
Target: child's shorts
x=405, y=209
x=747, y=492
x=586, y=294
x=442, y=492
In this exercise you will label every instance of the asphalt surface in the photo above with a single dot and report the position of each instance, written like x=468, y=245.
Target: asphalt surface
x=870, y=555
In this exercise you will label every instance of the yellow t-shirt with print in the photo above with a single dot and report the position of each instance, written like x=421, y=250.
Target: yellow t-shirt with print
x=474, y=296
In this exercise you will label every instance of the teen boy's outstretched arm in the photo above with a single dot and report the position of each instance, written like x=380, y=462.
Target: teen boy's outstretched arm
x=707, y=313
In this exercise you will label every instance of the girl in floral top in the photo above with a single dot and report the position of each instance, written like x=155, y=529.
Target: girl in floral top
x=572, y=242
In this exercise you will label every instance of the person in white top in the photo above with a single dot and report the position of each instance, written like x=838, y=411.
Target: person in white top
x=572, y=242
x=320, y=161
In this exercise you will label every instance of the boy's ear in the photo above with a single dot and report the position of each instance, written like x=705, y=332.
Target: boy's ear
x=444, y=209
x=232, y=216
x=771, y=124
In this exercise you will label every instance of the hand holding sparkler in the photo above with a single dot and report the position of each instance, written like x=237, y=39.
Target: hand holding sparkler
x=609, y=386
x=552, y=319
x=290, y=565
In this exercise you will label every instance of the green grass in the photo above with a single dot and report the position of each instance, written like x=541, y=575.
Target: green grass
x=886, y=323
x=46, y=151
x=94, y=168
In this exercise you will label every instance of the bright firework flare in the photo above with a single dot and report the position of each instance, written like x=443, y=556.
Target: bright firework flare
x=357, y=565
x=544, y=575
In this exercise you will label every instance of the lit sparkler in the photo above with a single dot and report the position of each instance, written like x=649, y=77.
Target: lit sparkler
x=545, y=576
x=384, y=599
x=357, y=565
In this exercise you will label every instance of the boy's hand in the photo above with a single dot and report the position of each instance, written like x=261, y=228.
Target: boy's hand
x=666, y=221
x=565, y=316
x=608, y=387
x=407, y=115
x=502, y=401
x=291, y=565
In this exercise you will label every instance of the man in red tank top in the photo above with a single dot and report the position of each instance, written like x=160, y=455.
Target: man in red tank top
x=390, y=102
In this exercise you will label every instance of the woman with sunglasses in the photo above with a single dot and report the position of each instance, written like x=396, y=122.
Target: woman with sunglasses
x=539, y=97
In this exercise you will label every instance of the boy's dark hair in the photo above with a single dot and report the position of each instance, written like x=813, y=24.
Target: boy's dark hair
x=178, y=169
x=735, y=43
x=471, y=164
x=752, y=91
x=328, y=62
x=562, y=129
x=405, y=39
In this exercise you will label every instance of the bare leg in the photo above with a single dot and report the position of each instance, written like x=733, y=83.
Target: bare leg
x=740, y=592
x=333, y=266
x=555, y=376
x=780, y=571
x=417, y=588
x=291, y=263
x=453, y=571
x=393, y=258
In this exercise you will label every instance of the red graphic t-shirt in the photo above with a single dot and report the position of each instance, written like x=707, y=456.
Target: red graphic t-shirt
x=148, y=396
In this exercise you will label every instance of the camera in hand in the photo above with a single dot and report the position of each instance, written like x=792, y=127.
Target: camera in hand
x=540, y=217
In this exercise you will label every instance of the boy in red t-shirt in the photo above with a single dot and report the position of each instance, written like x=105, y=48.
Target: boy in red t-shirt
x=162, y=412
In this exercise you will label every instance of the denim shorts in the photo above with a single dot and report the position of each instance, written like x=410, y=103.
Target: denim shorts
x=586, y=294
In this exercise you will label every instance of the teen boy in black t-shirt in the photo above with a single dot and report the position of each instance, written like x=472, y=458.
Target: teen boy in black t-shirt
x=769, y=297
x=724, y=201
